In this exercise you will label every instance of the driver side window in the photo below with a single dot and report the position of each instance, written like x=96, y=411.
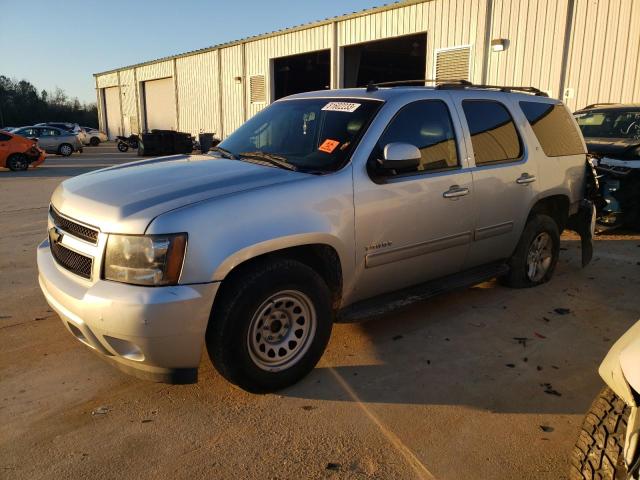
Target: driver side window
x=427, y=125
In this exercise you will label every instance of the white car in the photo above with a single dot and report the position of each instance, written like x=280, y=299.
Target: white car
x=93, y=136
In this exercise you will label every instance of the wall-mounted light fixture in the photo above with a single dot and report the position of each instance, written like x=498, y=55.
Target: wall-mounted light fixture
x=499, y=44
x=238, y=79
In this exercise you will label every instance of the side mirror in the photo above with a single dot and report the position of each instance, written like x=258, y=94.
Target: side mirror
x=400, y=156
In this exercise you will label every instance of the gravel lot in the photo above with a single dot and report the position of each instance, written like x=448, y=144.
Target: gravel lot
x=455, y=388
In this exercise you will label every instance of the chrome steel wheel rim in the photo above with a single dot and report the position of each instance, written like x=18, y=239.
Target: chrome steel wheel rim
x=539, y=257
x=66, y=150
x=281, y=331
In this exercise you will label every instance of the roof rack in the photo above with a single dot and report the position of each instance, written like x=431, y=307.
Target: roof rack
x=373, y=86
x=501, y=88
x=597, y=105
x=446, y=84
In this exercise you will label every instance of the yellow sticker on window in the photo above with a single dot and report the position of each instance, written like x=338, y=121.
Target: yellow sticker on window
x=328, y=146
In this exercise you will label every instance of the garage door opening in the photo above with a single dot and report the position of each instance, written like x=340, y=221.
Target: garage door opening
x=401, y=58
x=301, y=73
x=111, y=97
x=160, y=104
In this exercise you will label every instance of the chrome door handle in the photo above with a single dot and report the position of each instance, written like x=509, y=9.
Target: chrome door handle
x=525, y=179
x=455, y=191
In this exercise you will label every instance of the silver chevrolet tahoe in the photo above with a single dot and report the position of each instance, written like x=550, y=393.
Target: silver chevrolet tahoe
x=325, y=206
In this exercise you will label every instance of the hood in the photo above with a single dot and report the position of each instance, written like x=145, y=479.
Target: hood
x=622, y=148
x=125, y=198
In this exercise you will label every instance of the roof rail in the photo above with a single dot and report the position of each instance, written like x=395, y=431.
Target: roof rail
x=450, y=84
x=597, y=105
x=501, y=88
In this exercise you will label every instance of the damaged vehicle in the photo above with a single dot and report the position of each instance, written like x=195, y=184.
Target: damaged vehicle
x=612, y=135
x=608, y=447
x=325, y=206
x=18, y=153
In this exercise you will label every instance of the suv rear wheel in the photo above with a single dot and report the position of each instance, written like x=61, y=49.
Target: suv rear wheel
x=271, y=326
x=536, y=255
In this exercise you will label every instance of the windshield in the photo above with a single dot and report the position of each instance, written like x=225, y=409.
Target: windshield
x=609, y=124
x=310, y=134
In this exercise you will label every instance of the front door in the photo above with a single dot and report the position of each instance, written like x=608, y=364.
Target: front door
x=504, y=177
x=414, y=226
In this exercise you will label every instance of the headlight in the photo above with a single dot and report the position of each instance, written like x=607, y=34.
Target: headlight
x=145, y=259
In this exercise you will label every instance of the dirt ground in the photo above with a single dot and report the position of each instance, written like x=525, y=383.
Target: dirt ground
x=486, y=383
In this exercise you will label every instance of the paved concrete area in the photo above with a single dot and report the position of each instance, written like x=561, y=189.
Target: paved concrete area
x=455, y=388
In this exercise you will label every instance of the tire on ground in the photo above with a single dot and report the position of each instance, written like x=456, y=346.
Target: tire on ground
x=17, y=162
x=239, y=300
x=67, y=147
x=517, y=276
x=598, y=453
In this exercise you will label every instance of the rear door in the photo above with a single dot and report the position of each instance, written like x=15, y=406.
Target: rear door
x=414, y=226
x=504, y=175
x=47, y=138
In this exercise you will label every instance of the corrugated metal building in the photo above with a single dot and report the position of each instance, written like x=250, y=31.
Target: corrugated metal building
x=582, y=51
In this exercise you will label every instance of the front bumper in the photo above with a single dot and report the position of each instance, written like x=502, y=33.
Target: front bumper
x=151, y=332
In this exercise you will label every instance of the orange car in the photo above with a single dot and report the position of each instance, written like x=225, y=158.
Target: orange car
x=17, y=153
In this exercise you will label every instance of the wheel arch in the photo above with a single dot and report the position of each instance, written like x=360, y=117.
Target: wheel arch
x=320, y=256
x=555, y=206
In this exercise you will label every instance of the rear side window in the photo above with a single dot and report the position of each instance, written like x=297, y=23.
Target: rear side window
x=554, y=128
x=427, y=125
x=493, y=134
x=4, y=137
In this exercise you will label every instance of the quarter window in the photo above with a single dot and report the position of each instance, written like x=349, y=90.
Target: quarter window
x=4, y=138
x=427, y=125
x=554, y=128
x=493, y=134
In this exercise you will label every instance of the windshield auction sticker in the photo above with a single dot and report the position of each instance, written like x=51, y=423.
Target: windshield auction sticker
x=341, y=107
x=328, y=146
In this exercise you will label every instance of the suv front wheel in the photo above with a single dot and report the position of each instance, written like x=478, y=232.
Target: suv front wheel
x=270, y=326
x=536, y=255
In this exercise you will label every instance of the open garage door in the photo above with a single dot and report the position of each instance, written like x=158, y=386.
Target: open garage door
x=400, y=58
x=113, y=115
x=160, y=104
x=302, y=73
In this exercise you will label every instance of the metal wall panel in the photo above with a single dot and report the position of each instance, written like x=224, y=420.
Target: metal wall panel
x=233, y=108
x=155, y=71
x=129, y=101
x=107, y=80
x=198, y=93
x=535, y=32
x=604, y=53
x=259, y=54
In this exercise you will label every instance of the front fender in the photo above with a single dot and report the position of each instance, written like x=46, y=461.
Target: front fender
x=228, y=230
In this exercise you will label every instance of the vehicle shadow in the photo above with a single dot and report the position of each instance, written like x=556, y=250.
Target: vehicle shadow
x=490, y=347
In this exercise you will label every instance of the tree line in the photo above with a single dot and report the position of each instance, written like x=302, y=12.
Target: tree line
x=21, y=104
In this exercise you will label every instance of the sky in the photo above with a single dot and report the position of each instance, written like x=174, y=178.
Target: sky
x=62, y=44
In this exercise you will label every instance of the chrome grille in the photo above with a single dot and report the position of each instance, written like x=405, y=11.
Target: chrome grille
x=72, y=261
x=77, y=230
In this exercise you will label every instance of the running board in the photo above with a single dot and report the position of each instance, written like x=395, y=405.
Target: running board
x=390, y=302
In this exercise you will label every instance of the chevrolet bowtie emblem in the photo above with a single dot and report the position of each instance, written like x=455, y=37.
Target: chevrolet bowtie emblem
x=55, y=235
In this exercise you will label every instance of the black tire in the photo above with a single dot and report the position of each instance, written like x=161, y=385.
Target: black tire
x=519, y=275
x=242, y=298
x=17, y=162
x=94, y=141
x=123, y=147
x=65, y=150
x=598, y=453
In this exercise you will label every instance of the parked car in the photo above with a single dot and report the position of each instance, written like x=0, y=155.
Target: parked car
x=17, y=153
x=7, y=129
x=52, y=140
x=70, y=127
x=612, y=133
x=608, y=447
x=329, y=205
x=93, y=136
